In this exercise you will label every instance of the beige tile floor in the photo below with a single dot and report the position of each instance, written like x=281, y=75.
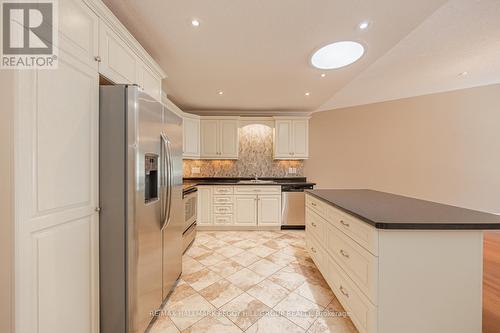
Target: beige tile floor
x=251, y=281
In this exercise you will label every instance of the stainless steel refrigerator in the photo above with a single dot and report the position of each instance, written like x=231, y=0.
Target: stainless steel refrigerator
x=141, y=218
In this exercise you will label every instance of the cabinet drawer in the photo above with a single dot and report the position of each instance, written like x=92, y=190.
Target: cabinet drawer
x=315, y=225
x=251, y=189
x=314, y=248
x=363, y=312
x=223, y=199
x=223, y=190
x=359, y=264
x=227, y=209
x=223, y=219
x=317, y=205
x=364, y=234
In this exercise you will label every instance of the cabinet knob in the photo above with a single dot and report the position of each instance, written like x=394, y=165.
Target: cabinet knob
x=345, y=224
x=97, y=58
x=97, y=209
x=343, y=291
x=313, y=249
x=344, y=253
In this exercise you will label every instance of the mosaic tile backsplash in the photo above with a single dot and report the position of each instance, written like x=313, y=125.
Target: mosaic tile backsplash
x=255, y=158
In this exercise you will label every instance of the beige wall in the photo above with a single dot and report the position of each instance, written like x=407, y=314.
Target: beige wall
x=443, y=147
x=6, y=202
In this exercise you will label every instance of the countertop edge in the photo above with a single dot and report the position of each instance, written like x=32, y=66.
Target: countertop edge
x=410, y=226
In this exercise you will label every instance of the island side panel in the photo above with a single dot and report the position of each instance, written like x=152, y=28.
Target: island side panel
x=430, y=281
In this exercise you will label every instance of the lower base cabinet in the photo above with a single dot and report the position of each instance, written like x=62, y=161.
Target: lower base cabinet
x=393, y=281
x=247, y=206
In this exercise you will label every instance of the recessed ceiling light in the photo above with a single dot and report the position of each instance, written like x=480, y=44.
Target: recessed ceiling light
x=221, y=92
x=463, y=74
x=307, y=93
x=323, y=75
x=364, y=25
x=337, y=55
x=195, y=23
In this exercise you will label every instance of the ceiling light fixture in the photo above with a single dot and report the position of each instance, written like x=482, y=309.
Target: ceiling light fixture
x=364, y=25
x=337, y=55
x=221, y=92
x=463, y=74
x=307, y=93
x=195, y=23
x=323, y=75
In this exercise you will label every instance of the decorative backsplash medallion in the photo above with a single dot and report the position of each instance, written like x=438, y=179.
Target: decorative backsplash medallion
x=255, y=158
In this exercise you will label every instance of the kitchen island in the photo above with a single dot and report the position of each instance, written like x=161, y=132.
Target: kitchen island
x=399, y=264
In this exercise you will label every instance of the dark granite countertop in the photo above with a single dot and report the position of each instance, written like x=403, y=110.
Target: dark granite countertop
x=390, y=211
x=235, y=181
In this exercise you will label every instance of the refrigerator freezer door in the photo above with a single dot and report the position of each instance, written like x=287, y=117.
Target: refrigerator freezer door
x=172, y=232
x=145, y=117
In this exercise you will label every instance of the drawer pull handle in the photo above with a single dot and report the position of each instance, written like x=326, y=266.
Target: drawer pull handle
x=344, y=253
x=313, y=224
x=313, y=249
x=343, y=291
x=313, y=204
x=345, y=224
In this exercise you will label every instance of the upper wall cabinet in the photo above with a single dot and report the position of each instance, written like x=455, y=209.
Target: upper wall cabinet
x=117, y=60
x=219, y=138
x=191, y=139
x=122, y=60
x=291, y=138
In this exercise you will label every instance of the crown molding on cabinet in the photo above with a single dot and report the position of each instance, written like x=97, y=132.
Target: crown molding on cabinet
x=249, y=113
x=113, y=23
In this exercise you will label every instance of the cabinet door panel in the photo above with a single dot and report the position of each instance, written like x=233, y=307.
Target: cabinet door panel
x=269, y=209
x=78, y=31
x=300, y=138
x=56, y=196
x=209, y=139
x=191, y=138
x=148, y=81
x=204, y=205
x=282, y=138
x=118, y=62
x=245, y=209
x=228, y=138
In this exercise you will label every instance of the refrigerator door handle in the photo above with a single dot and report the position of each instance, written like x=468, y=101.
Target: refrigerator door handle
x=170, y=181
x=165, y=182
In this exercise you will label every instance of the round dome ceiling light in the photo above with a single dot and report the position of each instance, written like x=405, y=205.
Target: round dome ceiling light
x=337, y=55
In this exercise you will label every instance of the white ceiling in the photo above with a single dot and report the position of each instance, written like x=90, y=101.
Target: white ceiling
x=258, y=51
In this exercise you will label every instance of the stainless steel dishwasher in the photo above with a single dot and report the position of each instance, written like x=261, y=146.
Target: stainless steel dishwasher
x=293, y=205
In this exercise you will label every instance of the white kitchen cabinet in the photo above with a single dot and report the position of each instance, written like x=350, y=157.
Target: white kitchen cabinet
x=149, y=81
x=204, y=214
x=209, y=138
x=191, y=138
x=291, y=138
x=245, y=207
x=228, y=141
x=219, y=138
x=269, y=209
x=118, y=63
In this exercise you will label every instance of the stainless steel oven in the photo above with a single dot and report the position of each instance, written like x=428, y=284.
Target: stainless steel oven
x=190, y=199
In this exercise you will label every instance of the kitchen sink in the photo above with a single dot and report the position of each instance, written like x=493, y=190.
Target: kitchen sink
x=256, y=181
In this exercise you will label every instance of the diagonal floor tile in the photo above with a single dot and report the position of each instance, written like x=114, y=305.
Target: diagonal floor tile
x=268, y=292
x=245, y=310
x=299, y=310
x=213, y=324
x=274, y=324
x=264, y=267
x=190, y=265
x=336, y=320
x=262, y=250
x=229, y=251
x=201, y=279
x=245, y=258
x=316, y=293
x=226, y=267
x=288, y=280
x=245, y=278
x=188, y=311
x=220, y=292
x=164, y=325
x=210, y=258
